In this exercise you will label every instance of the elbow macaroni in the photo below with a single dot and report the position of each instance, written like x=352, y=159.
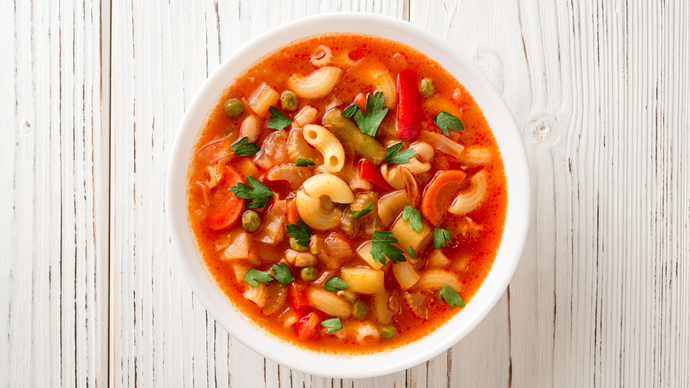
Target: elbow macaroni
x=317, y=84
x=436, y=279
x=327, y=144
x=471, y=197
x=329, y=302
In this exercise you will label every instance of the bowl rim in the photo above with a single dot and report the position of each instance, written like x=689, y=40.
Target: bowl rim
x=510, y=249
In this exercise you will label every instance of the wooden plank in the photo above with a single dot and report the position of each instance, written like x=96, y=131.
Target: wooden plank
x=55, y=173
x=161, y=54
x=599, y=90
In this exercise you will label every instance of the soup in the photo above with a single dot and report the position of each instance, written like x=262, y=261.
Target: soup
x=346, y=193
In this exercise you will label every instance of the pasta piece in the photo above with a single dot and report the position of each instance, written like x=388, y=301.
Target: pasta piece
x=288, y=317
x=290, y=173
x=263, y=97
x=435, y=279
x=297, y=148
x=367, y=332
x=407, y=237
x=364, y=252
x=238, y=248
x=406, y=276
x=317, y=84
x=257, y=295
x=438, y=259
x=391, y=205
x=315, y=215
x=393, y=176
x=331, y=186
x=363, y=280
x=327, y=144
x=322, y=56
x=425, y=152
x=370, y=73
x=416, y=167
x=307, y=115
x=328, y=302
x=381, y=312
x=476, y=156
x=471, y=196
x=251, y=126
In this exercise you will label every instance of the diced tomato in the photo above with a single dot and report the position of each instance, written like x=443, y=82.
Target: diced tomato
x=308, y=327
x=292, y=214
x=297, y=297
x=369, y=172
x=224, y=208
x=439, y=193
x=409, y=105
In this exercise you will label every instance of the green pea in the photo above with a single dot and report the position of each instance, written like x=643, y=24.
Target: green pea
x=360, y=309
x=288, y=100
x=296, y=246
x=308, y=273
x=426, y=87
x=233, y=107
x=251, y=221
x=389, y=331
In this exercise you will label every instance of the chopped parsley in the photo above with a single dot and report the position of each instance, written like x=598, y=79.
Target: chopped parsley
x=414, y=217
x=362, y=212
x=336, y=283
x=301, y=232
x=241, y=147
x=451, y=297
x=332, y=325
x=369, y=121
x=441, y=238
x=278, y=120
x=445, y=120
x=253, y=276
x=304, y=162
x=382, y=247
x=394, y=155
x=256, y=192
x=411, y=253
x=283, y=273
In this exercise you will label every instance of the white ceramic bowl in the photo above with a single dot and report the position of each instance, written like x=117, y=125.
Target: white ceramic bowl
x=514, y=158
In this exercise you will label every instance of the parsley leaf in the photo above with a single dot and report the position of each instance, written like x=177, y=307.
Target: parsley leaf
x=445, y=120
x=304, y=162
x=300, y=232
x=382, y=246
x=241, y=147
x=350, y=110
x=397, y=156
x=283, y=274
x=441, y=238
x=451, y=297
x=362, y=212
x=332, y=325
x=369, y=122
x=253, y=276
x=411, y=253
x=415, y=218
x=278, y=120
x=255, y=191
x=336, y=283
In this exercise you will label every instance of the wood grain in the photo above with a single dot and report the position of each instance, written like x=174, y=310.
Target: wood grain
x=90, y=293
x=54, y=208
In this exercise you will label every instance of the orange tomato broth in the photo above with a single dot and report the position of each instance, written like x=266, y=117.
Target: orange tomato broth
x=471, y=258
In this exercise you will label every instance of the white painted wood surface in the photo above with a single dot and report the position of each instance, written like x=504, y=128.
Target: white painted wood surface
x=89, y=290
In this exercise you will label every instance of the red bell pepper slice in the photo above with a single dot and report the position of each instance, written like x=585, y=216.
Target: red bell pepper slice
x=371, y=173
x=297, y=297
x=409, y=105
x=308, y=327
x=224, y=208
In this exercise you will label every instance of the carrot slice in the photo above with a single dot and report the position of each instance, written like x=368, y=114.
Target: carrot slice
x=225, y=208
x=439, y=193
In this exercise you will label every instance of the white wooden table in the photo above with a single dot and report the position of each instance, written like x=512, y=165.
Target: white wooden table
x=91, y=95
